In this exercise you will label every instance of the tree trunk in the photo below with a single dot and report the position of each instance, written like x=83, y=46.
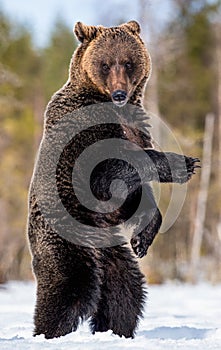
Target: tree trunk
x=218, y=61
x=202, y=197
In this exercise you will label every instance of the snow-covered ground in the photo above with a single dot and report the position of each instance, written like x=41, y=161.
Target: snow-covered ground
x=177, y=317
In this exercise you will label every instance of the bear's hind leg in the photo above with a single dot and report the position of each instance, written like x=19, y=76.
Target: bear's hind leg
x=122, y=294
x=67, y=290
x=55, y=315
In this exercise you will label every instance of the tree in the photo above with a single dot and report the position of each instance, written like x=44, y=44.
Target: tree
x=20, y=65
x=56, y=57
x=28, y=78
x=187, y=85
x=187, y=77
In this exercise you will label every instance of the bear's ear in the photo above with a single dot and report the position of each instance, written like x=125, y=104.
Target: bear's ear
x=84, y=32
x=133, y=26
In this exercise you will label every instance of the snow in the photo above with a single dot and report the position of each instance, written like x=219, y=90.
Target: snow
x=177, y=316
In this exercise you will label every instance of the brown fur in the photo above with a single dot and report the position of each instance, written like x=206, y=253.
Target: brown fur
x=74, y=281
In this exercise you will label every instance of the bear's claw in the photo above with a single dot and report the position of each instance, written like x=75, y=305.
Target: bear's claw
x=191, y=166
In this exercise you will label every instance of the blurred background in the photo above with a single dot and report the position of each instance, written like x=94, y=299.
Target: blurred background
x=184, y=39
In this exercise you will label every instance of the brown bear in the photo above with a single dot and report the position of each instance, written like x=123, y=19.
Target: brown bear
x=74, y=281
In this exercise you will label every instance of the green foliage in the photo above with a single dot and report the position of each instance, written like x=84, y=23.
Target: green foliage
x=28, y=77
x=56, y=58
x=187, y=78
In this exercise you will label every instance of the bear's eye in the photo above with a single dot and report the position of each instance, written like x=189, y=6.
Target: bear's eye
x=128, y=66
x=105, y=68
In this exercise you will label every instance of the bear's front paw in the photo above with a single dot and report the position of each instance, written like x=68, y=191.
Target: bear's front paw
x=140, y=245
x=181, y=167
x=191, y=165
x=140, y=242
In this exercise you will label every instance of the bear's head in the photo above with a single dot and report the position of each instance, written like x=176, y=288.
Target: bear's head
x=115, y=60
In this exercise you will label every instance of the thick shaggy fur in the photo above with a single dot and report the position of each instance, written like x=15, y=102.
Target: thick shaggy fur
x=76, y=282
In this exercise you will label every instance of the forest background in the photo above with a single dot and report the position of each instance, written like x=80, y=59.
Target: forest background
x=185, y=91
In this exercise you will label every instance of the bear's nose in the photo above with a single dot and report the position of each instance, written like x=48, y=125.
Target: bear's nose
x=119, y=96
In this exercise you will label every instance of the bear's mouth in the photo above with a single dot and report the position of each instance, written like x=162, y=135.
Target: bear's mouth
x=120, y=104
x=119, y=98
